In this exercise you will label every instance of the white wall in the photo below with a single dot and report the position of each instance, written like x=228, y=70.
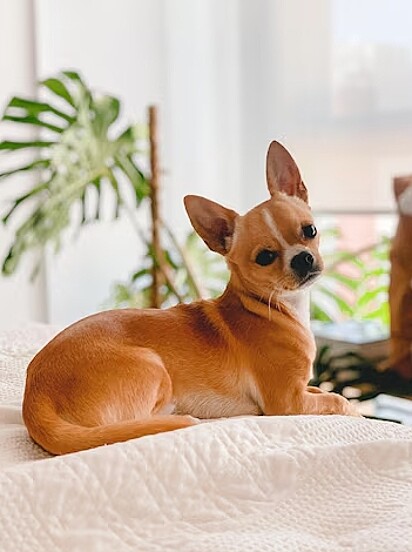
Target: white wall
x=118, y=48
x=202, y=102
x=20, y=300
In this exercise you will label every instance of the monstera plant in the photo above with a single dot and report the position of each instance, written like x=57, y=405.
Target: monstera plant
x=81, y=152
x=78, y=152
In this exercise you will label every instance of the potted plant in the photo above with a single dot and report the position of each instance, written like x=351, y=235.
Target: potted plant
x=78, y=155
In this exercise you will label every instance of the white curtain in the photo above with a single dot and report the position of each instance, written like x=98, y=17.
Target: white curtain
x=20, y=299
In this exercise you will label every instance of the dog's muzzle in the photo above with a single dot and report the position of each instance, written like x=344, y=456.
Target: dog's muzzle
x=304, y=266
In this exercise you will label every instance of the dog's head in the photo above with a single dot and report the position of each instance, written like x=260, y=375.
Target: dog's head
x=273, y=248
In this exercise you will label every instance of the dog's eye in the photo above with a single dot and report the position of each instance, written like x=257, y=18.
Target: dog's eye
x=309, y=231
x=266, y=257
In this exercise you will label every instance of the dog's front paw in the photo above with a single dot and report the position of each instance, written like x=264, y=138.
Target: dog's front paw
x=192, y=419
x=343, y=407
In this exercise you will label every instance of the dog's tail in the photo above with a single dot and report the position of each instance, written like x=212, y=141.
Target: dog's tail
x=59, y=436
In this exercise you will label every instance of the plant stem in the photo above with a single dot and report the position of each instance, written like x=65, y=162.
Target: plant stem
x=163, y=268
x=199, y=292
x=154, y=206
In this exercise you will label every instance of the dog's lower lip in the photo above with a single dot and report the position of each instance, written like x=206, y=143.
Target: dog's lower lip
x=310, y=277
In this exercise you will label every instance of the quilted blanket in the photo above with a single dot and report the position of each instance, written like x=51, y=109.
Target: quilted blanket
x=253, y=484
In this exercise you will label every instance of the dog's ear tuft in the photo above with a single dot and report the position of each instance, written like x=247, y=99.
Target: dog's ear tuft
x=282, y=173
x=214, y=223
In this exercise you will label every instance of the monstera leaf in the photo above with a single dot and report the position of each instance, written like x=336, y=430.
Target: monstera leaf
x=79, y=151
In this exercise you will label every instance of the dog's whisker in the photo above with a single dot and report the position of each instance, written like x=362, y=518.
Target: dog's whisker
x=270, y=299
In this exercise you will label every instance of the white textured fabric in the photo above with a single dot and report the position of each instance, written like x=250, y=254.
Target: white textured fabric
x=17, y=347
x=254, y=484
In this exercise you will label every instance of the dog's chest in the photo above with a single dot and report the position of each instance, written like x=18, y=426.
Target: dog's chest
x=212, y=405
x=300, y=304
x=243, y=400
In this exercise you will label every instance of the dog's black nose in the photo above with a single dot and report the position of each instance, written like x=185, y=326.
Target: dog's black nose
x=302, y=263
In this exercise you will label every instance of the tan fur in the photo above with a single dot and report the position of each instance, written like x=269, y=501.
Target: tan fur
x=115, y=375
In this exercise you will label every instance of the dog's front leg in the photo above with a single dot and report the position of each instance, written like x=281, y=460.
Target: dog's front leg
x=306, y=400
x=316, y=401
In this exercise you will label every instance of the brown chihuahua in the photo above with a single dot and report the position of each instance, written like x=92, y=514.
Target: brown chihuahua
x=123, y=374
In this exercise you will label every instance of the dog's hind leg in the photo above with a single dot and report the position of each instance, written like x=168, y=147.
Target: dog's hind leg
x=121, y=398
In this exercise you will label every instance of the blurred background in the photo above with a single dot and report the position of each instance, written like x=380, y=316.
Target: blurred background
x=331, y=79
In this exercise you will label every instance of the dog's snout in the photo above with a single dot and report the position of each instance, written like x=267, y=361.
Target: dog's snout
x=302, y=263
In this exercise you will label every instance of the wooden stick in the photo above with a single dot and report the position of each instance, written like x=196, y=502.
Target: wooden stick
x=200, y=293
x=154, y=207
x=164, y=270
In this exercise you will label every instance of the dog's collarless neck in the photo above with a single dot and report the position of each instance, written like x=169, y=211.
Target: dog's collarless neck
x=296, y=305
x=237, y=298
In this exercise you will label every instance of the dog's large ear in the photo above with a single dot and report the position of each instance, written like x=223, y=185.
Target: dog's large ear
x=282, y=173
x=214, y=223
x=400, y=184
x=402, y=187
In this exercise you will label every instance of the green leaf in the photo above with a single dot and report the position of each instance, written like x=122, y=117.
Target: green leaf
x=347, y=281
x=81, y=93
x=83, y=208
x=341, y=303
x=371, y=295
x=317, y=313
x=97, y=183
x=11, y=146
x=82, y=155
x=127, y=136
x=35, y=108
x=380, y=271
x=9, y=263
x=73, y=75
x=345, y=257
x=59, y=88
x=116, y=188
x=140, y=273
x=38, y=164
x=134, y=175
x=17, y=202
x=382, y=314
x=30, y=120
x=106, y=112
x=169, y=259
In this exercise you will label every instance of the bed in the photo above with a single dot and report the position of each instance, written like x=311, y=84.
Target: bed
x=249, y=484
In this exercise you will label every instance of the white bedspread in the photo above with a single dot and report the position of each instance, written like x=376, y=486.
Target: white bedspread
x=257, y=484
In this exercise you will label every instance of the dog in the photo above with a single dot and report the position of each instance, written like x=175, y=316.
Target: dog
x=123, y=374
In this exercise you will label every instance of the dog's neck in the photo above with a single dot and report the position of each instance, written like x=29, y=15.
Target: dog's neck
x=299, y=301
x=295, y=304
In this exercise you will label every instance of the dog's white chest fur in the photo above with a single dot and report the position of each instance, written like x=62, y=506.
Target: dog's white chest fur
x=300, y=304
x=208, y=404
x=243, y=399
